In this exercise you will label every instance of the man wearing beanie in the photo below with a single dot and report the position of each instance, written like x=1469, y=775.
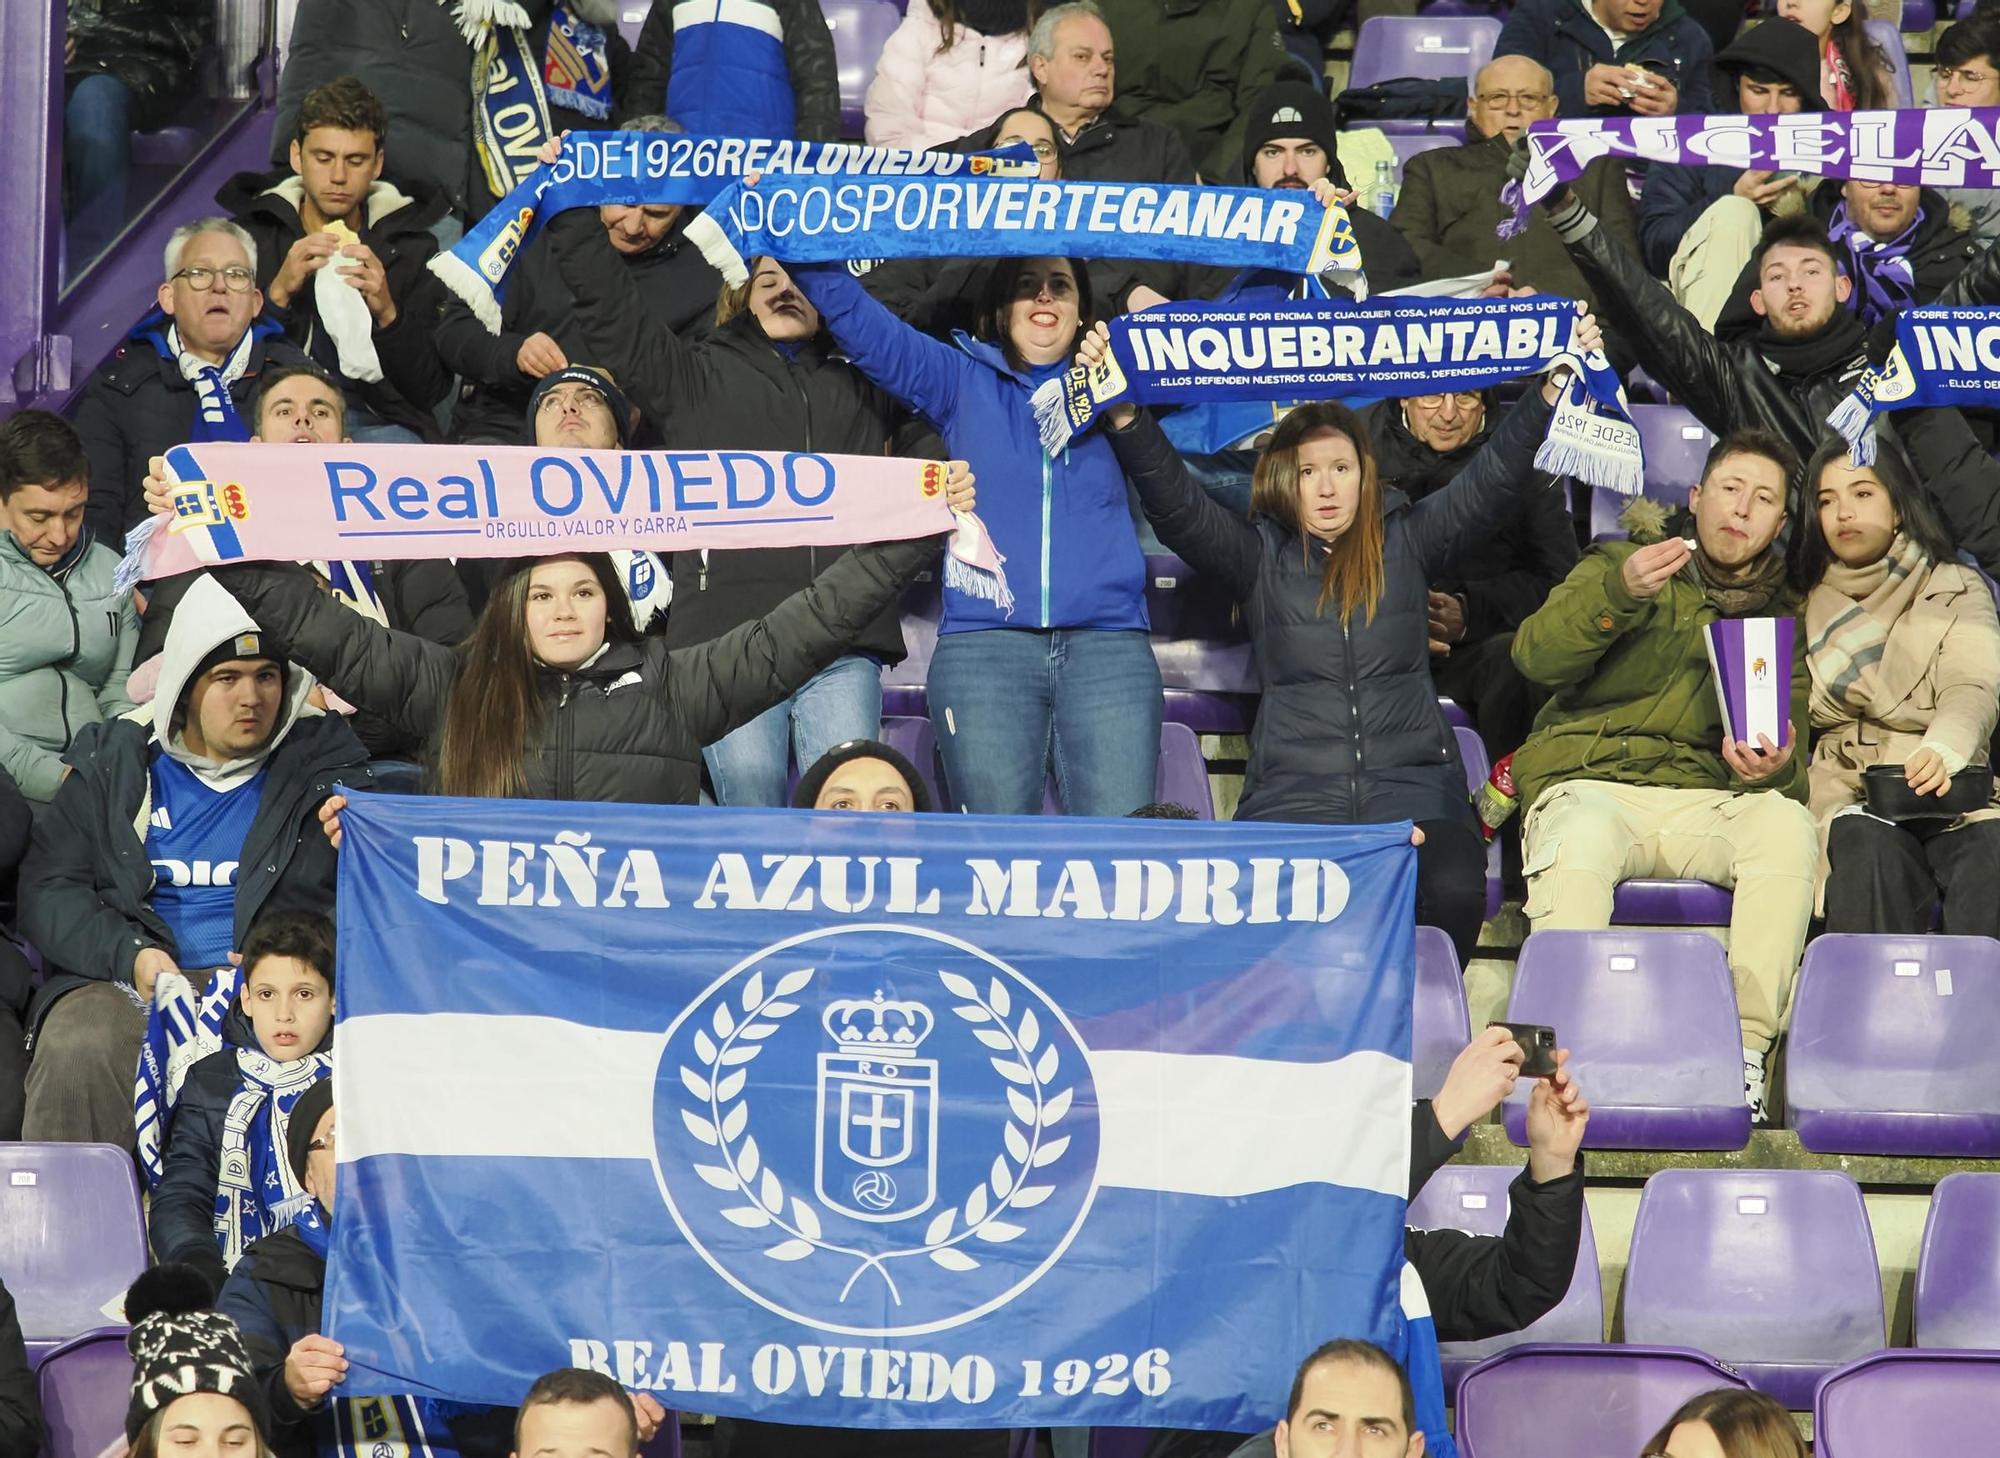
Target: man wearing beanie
x=1450, y=204
x=1699, y=225
x=178, y=823
x=862, y=774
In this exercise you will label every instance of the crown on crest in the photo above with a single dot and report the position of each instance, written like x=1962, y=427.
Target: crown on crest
x=876, y=1027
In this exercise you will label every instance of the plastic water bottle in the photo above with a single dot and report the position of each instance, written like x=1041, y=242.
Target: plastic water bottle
x=1383, y=199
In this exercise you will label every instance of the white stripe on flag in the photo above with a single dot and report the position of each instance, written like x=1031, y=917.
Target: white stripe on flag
x=1761, y=699
x=1210, y=1124
x=532, y=1087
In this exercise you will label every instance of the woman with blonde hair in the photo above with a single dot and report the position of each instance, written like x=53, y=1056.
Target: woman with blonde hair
x=1333, y=573
x=1730, y=1422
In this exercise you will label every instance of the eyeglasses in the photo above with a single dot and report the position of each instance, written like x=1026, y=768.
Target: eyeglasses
x=236, y=278
x=1947, y=75
x=1514, y=100
x=1043, y=150
x=1464, y=399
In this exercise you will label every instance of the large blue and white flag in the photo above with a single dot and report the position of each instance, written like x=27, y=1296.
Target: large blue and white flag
x=870, y=1120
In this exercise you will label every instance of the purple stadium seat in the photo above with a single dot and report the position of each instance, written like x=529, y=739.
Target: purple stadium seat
x=1958, y=1278
x=1773, y=1270
x=1119, y=1442
x=1879, y=1404
x=1675, y=445
x=1578, y=1402
x=71, y=1236
x=1891, y=1049
x=1885, y=35
x=1454, y=715
x=1472, y=750
x=1204, y=655
x=1442, y=1026
x=915, y=738
x=1473, y=1198
x=903, y=684
x=1407, y=144
x=1650, y=901
x=1919, y=16
x=860, y=29
x=1388, y=47
x=632, y=19
x=1610, y=995
x=84, y=1386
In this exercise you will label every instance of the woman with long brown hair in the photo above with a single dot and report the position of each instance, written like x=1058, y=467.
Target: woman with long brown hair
x=1333, y=574
x=1730, y=1422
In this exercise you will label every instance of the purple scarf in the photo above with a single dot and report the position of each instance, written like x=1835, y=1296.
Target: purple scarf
x=1881, y=271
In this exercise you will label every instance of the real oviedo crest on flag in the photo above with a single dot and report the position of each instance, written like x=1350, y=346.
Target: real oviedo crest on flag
x=912, y=1121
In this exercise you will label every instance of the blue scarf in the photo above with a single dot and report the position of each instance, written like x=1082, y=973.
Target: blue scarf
x=659, y=170
x=510, y=111
x=577, y=74
x=256, y=1190
x=182, y=1028
x=1943, y=356
x=801, y=220
x=215, y=415
x=1317, y=349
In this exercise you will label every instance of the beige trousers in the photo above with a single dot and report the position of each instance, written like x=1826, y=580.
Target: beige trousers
x=1710, y=258
x=1585, y=836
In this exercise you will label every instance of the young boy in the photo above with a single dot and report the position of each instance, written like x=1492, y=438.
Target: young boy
x=227, y=1179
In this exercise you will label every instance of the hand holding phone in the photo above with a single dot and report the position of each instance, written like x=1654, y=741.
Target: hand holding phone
x=1538, y=1047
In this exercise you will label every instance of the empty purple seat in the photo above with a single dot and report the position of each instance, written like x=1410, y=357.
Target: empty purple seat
x=1388, y=47
x=1473, y=1198
x=1958, y=1274
x=1651, y=901
x=84, y=1386
x=1441, y=1026
x=1182, y=776
x=1919, y=16
x=1891, y=1049
x=917, y=741
x=632, y=19
x=1675, y=446
x=1578, y=1402
x=71, y=1236
x=1650, y=1019
x=1204, y=655
x=903, y=683
x=1772, y=1270
x=1885, y=35
x=1880, y=1404
x=860, y=29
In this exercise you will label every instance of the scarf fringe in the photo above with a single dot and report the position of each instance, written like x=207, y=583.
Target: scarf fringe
x=1514, y=221
x=131, y=569
x=477, y=18
x=1851, y=420
x=714, y=242
x=1052, y=422
x=468, y=287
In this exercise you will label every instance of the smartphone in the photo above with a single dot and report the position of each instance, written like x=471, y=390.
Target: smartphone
x=1538, y=1047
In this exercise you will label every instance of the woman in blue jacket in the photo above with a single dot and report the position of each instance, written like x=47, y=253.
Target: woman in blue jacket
x=1067, y=680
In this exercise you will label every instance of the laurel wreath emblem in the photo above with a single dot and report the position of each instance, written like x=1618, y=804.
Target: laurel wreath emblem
x=721, y=1119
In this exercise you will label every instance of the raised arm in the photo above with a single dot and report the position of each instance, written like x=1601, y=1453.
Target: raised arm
x=726, y=682
x=922, y=372
x=1214, y=540
x=398, y=677
x=1488, y=491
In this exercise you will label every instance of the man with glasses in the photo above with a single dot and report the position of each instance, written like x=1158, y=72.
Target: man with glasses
x=1968, y=74
x=1698, y=225
x=1450, y=203
x=184, y=373
x=1421, y=444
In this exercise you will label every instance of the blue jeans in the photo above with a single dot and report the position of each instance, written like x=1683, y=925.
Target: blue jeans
x=842, y=701
x=1009, y=703
x=97, y=163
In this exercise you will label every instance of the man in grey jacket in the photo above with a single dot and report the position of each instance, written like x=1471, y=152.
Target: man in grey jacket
x=180, y=822
x=67, y=635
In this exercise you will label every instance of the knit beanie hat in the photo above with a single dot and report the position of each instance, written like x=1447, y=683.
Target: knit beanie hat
x=304, y=1123
x=176, y=1353
x=596, y=379
x=1290, y=109
x=249, y=647
x=814, y=779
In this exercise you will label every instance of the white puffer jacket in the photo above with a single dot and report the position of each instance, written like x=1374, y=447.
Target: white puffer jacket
x=921, y=98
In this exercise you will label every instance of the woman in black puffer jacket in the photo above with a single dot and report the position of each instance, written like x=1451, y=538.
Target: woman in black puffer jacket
x=1333, y=574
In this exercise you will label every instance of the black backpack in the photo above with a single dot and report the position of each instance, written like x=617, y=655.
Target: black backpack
x=1409, y=98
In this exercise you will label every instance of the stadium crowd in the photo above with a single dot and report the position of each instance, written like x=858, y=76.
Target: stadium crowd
x=169, y=755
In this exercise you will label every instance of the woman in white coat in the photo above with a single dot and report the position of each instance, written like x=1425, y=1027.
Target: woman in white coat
x=949, y=69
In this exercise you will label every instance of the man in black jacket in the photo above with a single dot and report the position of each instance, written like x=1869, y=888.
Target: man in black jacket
x=299, y=404
x=1421, y=444
x=332, y=208
x=205, y=336
x=151, y=858
x=672, y=288
x=20, y=1409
